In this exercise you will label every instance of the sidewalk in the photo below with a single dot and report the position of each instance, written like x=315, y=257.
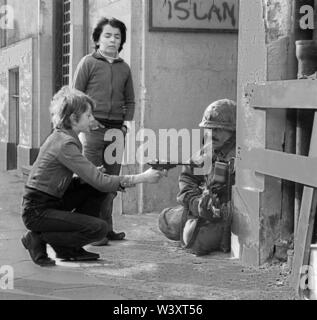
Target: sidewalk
x=145, y=266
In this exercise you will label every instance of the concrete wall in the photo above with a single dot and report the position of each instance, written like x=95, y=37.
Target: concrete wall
x=184, y=73
x=19, y=56
x=266, y=52
x=187, y=72
x=29, y=47
x=252, y=67
x=44, y=73
x=26, y=22
x=176, y=75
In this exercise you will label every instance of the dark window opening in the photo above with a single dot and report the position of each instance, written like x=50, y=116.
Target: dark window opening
x=66, y=42
x=14, y=118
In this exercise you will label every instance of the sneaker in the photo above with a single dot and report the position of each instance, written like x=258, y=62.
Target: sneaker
x=115, y=236
x=37, y=249
x=73, y=254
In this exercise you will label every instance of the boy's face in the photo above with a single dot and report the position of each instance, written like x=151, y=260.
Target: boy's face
x=218, y=137
x=85, y=121
x=110, y=40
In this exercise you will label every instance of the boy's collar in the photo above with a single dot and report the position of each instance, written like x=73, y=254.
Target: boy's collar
x=99, y=56
x=69, y=132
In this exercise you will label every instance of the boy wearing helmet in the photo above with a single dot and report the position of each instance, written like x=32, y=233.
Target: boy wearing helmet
x=202, y=222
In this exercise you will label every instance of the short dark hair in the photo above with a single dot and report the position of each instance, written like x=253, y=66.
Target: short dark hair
x=68, y=101
x=113, y=23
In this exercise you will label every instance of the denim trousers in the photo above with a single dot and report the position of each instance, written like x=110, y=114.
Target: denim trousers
x=71, y=222
x=94, y=148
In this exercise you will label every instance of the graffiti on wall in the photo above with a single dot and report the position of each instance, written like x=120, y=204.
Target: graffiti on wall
x=194, y=15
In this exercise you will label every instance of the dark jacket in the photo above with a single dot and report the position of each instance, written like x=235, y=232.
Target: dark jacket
x=110, y=85
x=191, y=186
x=59, y=158
x=201, y=231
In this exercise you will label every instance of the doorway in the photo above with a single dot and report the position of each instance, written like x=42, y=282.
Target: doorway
x=14, y=119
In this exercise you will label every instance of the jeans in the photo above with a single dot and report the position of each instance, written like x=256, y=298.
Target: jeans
x=94, y=146
x=71, y=222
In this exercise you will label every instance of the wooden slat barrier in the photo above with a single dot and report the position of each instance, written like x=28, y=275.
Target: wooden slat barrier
x=281, y=165
x=295, y=94
x=306, y=221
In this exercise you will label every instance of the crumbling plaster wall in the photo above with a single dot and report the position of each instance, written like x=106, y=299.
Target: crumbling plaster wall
x=25, y=20
x=17, y=56
x=266, y=52
x=28, y=47
x=277, y=20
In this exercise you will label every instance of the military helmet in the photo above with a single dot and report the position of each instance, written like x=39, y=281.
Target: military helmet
x=220, y=114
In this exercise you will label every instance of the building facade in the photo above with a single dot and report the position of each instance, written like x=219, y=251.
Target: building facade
x=26, y=66
x=176, y=75
x=267, y=208
x=177, y=71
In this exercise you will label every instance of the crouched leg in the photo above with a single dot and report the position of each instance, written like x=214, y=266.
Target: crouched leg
x=206, y=238
x=170, y=222
x=198, y=235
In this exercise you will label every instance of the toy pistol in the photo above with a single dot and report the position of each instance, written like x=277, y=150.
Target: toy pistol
x=160, y=166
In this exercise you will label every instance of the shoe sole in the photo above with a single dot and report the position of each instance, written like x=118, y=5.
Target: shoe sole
x=117, y=237
x=80, y=259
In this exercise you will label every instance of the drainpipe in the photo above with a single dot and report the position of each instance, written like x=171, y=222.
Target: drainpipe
x=142, y=104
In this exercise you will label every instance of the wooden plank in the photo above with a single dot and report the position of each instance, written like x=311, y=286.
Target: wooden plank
x=303, y=134
x=290, y=94
x=303, y=235
x=281, y=165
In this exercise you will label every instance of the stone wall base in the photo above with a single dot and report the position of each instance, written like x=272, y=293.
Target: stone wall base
x=26, y=156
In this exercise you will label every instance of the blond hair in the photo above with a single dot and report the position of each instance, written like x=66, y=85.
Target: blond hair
x=66, y=102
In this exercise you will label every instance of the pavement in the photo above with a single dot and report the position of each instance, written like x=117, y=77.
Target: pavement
x=146, y=266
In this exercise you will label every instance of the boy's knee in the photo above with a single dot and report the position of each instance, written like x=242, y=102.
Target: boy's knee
x=104, y=227
x=107, y=205
x=101, y=229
